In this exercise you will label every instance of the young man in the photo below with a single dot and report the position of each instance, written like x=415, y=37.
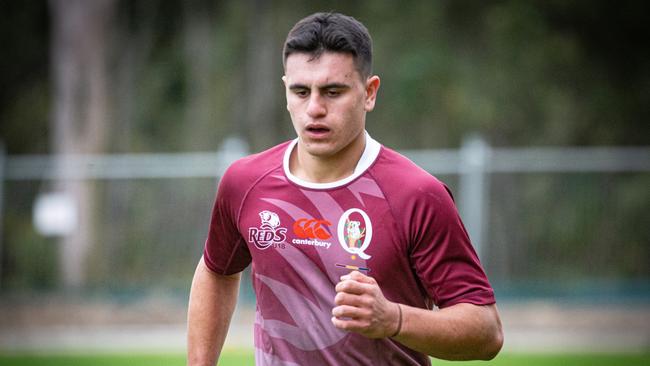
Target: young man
x=351, y=244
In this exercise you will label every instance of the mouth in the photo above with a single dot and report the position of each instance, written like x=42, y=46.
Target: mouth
x=317, y=130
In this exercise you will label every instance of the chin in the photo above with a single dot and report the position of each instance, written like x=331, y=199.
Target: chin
x=321, y=153
x=320, y=149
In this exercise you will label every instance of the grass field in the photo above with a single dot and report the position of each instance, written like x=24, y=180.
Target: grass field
x=239, y=358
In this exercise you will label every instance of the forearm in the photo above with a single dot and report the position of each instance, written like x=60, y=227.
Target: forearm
x=459, y=332
x=212, y=301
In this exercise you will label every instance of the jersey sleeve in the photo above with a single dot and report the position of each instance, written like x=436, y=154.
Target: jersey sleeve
x=225, y=249
x=441, y=252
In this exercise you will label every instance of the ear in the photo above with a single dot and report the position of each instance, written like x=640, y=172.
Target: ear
x=372, y=86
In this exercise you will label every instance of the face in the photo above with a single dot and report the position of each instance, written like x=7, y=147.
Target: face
x=328, y=101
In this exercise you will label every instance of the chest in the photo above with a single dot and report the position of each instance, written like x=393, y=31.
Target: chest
x=294, y=231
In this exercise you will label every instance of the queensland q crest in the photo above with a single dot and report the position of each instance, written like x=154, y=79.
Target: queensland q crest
x=355, y=232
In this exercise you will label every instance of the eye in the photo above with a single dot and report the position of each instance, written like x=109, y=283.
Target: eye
x=302, y=93
x=333, y=93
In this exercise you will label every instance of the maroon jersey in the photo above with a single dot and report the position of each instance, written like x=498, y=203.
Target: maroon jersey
x=390, y=220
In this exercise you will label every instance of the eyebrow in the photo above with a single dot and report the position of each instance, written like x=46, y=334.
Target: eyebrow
x=323, y=87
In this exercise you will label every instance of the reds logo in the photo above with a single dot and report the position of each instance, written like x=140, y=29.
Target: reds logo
x=311, y=229
x=269, y=233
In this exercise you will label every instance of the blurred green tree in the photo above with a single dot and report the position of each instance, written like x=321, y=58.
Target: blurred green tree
x=184, y=75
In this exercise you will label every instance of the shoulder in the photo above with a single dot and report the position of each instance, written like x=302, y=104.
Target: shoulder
x=242, y=174
x=417, y=199
x=254, y=166
x=402, y=178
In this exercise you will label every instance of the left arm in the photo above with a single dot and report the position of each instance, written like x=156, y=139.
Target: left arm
x=459, y=332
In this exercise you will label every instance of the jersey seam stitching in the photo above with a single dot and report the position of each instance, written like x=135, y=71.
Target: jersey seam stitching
x=242, y=241
x=253, y=185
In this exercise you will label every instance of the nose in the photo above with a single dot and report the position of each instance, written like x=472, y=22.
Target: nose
x=316, y=106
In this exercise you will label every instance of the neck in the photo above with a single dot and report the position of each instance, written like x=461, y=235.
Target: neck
x=327, y=169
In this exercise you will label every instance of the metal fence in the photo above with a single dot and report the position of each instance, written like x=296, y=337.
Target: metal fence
x=540, y=218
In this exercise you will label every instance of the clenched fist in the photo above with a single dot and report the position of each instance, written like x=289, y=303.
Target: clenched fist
x=362, y=308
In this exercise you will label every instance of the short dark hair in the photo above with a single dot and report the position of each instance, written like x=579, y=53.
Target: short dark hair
x=332, y=32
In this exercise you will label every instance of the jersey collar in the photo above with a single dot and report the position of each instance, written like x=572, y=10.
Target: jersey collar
x=370, y=153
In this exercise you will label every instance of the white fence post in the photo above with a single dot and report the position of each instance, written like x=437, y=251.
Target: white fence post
x=474, y=160
x=3, y=155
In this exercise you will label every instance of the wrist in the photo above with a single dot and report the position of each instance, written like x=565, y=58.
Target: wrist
x=399, y=321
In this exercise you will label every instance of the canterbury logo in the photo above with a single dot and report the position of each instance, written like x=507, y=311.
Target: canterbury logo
x=311, y=229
